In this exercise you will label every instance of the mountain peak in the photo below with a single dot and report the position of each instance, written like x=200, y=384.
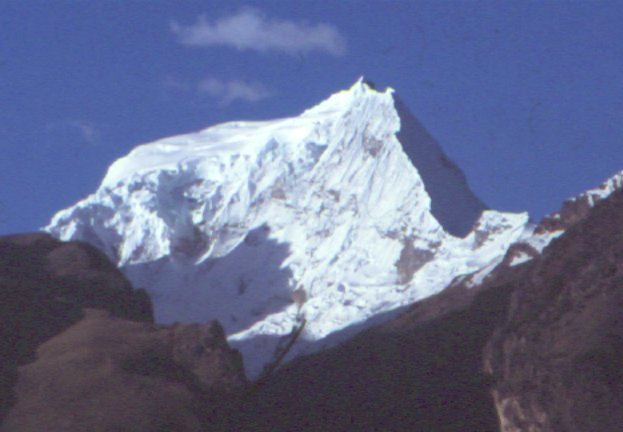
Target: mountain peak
x=453, y=203
x=347, y=202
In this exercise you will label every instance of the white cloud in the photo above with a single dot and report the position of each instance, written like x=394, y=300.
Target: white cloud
x=88, y=131
x=171, y=83
x=233, y=90
x=249, y=29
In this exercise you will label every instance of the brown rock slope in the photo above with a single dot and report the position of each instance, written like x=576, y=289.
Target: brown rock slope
x=78, y=350
x=44, y=284
x=555, y=353
x=558, y=359
x=110, y=374
x=419, y=372
x=549, y=334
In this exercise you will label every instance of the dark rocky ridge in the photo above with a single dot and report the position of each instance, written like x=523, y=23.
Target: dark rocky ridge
x=110, y=374
x=548, y=334
x=420, y=372
x=557, y=361
x=536, y=347
x=45, y=284
x=576, y=209
x=79, y=350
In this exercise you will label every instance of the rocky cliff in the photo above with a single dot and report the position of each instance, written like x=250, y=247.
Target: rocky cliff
x=556, y=361
x=79, y=350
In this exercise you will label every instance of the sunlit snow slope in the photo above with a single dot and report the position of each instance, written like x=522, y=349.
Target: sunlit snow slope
x=227, y=222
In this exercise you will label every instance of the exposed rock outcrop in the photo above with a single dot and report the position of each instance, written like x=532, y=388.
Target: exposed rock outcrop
x=557, y=360
x=79, y=350
x=44, y=285
x=109, y=374
x=576, y=209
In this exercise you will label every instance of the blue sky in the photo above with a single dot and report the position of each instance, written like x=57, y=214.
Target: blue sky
x=527, y=97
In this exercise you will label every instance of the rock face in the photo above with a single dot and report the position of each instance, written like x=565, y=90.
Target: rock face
x=557, y=360
x=41, y=276
x=110, y=374
x=79, y=350
x=575, y=209
x=44, y=285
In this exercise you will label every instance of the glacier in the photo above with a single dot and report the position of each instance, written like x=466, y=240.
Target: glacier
x=352, y=202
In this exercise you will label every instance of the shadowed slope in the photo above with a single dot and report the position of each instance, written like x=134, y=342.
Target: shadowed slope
x=419, y=372
x=78, y=350
x=109, y=374
x=453, y=203
x=45, y=284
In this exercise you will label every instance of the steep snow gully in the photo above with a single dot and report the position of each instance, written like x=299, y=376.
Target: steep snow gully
x=352, y=203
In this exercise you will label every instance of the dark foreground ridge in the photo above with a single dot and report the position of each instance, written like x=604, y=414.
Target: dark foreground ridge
x=536, y=347
x=44, y=285
x=421, y=372
x=557, y=361
x=545, y=339
x=79, y=350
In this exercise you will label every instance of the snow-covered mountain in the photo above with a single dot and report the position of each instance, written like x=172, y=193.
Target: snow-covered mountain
x=352, y=203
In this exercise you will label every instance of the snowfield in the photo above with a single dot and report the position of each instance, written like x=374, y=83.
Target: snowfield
x=227, y=222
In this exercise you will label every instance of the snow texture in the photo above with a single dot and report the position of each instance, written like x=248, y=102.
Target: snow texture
x=604, y=190
x=539, y=239
x=226, y=223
